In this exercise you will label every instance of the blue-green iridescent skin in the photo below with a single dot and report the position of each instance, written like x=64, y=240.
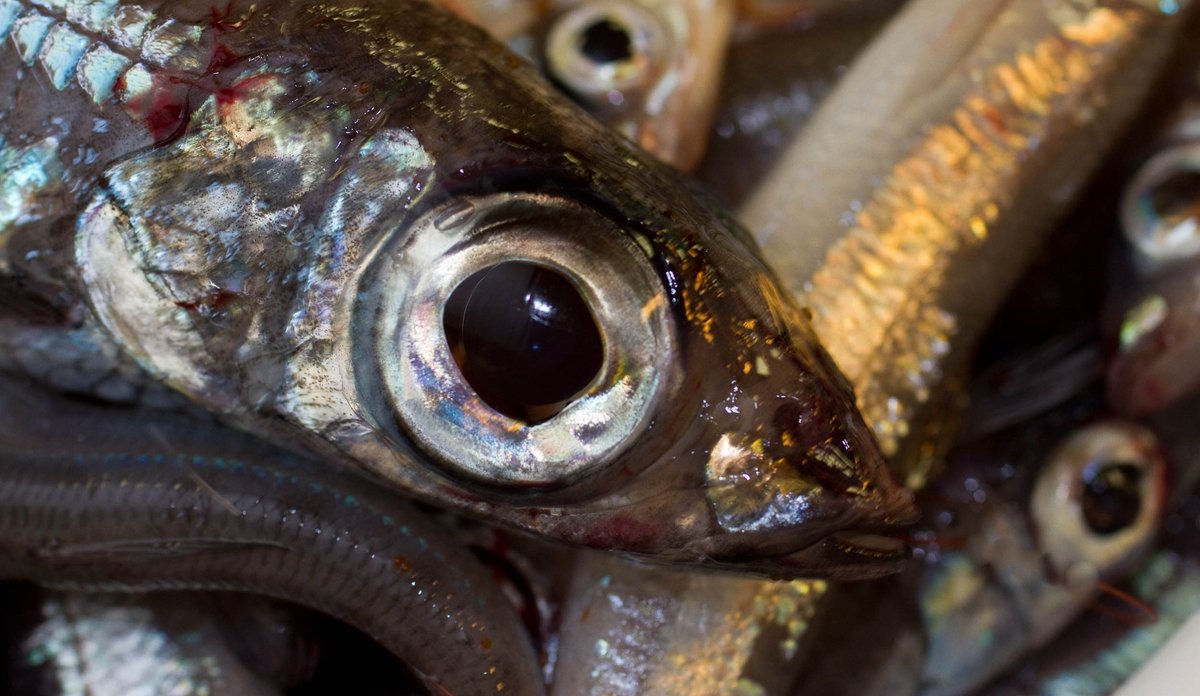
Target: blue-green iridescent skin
x=1101, y=650
x=217, y=198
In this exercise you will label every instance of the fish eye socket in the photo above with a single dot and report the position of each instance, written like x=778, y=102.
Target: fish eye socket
x=606, y=51
x=523, y=338
x=515, y=339
x=1098, y=498
x=1160, y=208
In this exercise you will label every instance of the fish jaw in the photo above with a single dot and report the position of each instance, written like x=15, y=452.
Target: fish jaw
x=774, y=474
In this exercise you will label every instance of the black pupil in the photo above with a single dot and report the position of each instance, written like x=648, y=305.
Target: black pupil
x=1175, y=198
x=606, y=41
x=1112, y=497
x=523, y=338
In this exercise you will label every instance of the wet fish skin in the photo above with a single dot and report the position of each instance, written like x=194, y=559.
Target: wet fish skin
x=174, y=503
x=239, y=226
x=957, y=160
x=938, y=77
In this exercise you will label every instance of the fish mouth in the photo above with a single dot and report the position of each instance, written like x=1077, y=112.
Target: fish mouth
x=848, y=554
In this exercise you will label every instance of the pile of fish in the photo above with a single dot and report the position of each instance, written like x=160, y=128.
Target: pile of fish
x=619, y=347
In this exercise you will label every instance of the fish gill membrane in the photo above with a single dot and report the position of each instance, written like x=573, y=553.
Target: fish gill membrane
x=92, y=499
x=366, y=230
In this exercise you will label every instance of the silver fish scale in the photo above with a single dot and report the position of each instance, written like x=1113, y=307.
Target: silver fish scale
x=95, y=43
x=108, y=52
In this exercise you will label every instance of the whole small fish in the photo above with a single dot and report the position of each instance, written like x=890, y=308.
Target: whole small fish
x=365, y=229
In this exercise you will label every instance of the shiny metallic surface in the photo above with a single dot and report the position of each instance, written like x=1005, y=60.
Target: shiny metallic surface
x=115, y=645
x=229, y=205
x=618, y=283
x=953, y=155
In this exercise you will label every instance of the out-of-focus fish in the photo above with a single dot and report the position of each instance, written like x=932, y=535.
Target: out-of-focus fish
x=650, y=69
x=772, y=86
x=1101, y=650
x=1156, y=290
x=507, y=20
x=1039, y=535
x=911, y=202
x=612, y=651
x=365, y=229
x=116, y=645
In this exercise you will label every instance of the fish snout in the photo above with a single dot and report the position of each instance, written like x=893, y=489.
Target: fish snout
x=817, y=495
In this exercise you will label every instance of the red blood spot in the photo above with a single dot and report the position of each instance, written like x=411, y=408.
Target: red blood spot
x=209, y=303
x=164, y=108
x=499, y=553
x=240, y=90
x=620, y=531
x=222, y=57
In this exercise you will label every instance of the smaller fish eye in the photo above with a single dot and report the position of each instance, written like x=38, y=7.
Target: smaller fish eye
x=606, y=52
x=1097, y=502
x=1160, y=209
x=523, y=338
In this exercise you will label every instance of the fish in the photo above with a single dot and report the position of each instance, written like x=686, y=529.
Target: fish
x=773, y=85
x=643, y=624
x=1154, y=307
x=648, y=68
x=307, y=220
x=112, y=644
x=907, y=208
x=1103, y=652
x=178, y=503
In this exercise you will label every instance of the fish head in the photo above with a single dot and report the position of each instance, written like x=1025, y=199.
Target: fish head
x=1029, y=524
x=467, y=289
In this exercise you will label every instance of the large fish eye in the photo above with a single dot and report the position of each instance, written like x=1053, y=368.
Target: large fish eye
x=520, y=339
x=1098, y=499
x=1160, y=208
x=604, y=51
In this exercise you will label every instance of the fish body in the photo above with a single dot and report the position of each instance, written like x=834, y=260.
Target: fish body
x=1153, y=296
x=115, y=644
x=771, y=635
x=181, y=503
x=273, y=208
x=909, y=205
